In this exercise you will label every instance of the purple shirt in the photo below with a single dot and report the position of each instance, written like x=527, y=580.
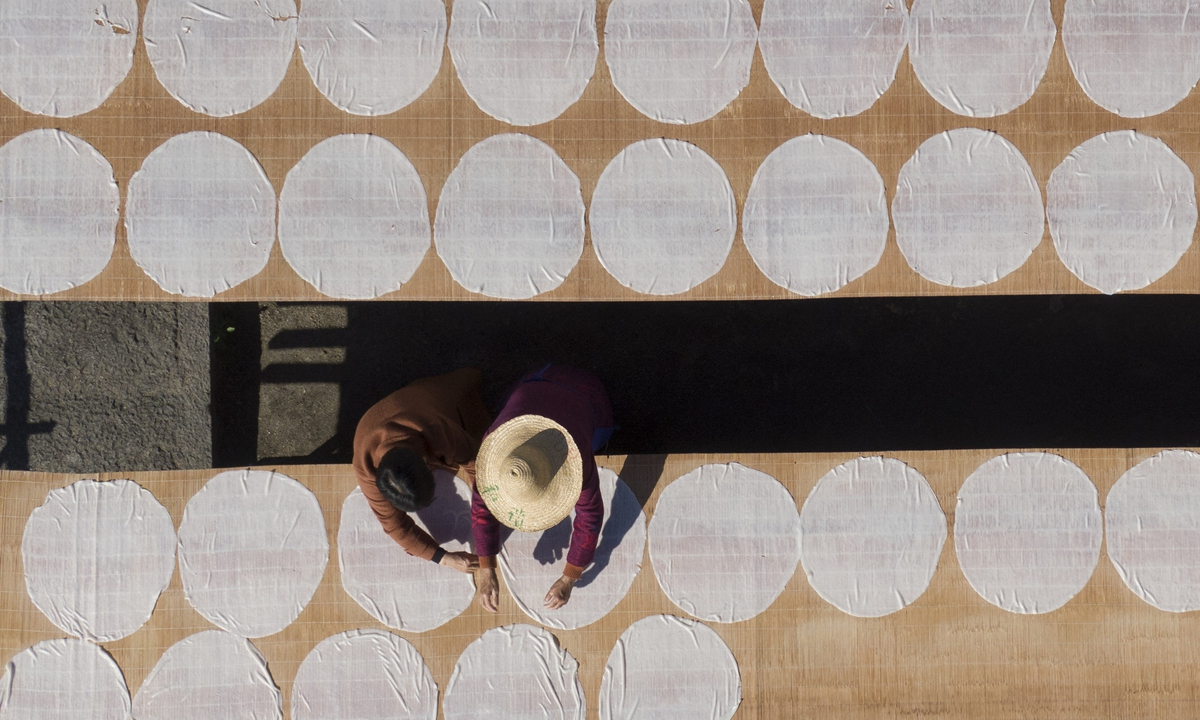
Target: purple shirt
x=576, y=400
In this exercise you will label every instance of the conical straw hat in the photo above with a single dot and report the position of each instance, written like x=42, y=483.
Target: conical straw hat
x=530, y=473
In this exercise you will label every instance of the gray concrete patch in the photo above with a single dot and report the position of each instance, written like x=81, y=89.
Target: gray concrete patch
x=106, y=387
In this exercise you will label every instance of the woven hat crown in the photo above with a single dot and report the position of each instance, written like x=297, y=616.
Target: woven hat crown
x=529, y=473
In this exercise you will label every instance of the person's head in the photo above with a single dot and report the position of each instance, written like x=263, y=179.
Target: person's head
x=404, y=480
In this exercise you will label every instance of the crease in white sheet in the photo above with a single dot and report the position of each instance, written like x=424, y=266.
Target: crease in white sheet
x=1152, y=530
x=515, y=671
x=724, y=542
x=833, y=58
x=364, y=675
x=1134, y=58
x=63, y=58
x=354, y=218
x=220, y=57
x=967, y=209
x=397, y=589
x=200, y=215
x=680, y=61
x=524, y=62
x=1027, y=531
x=211, y=675
x=509, y=222
x=981, y=58
x=97, y=555
x=1122, y=210
x=532, y=562
x=871, y=533
x=63, y=679
x=669, y=668
x=252, y=551
x=816, y=217
x=663, y=217
x=59, y=205
x=372, y=57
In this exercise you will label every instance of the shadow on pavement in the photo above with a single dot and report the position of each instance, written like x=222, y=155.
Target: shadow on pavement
x=838, y=375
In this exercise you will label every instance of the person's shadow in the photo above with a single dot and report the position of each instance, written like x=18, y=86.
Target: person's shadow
x=640, y=475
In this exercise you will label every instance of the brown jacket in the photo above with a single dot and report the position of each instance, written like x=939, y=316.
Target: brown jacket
x=444, y=419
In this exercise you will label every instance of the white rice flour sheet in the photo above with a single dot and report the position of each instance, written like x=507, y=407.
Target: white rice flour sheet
x=1152, y=526
x=354, y=218
x=833, y=58
x=59, y=205
x=212, y=675
x=365, y=675
x=397, y=589
x=63, y=58
x=871, y=534
x=669, y=668
x=252, y=551
x=515, y=671
x=1027, y=531
x=63, y=679
x=724, y=542
x=532, y=562
x=97, y=555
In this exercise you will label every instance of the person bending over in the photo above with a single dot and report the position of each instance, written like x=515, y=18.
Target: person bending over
x=536, y=463
x=432, y=424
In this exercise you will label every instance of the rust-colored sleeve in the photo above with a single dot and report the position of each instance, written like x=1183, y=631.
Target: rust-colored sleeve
x=398, y=525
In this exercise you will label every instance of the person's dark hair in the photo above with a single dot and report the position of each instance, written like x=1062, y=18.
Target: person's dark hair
x=404, y=480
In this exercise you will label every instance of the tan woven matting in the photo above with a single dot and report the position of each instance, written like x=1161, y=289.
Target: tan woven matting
x=950, y=654
x=439, y=127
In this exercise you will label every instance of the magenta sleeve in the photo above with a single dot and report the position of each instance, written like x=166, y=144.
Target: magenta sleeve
x=589, y=516
x=485, y=528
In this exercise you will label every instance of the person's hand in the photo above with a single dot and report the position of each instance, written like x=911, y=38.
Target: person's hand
x=560, y=593
x=464, y=562
x=489, y=589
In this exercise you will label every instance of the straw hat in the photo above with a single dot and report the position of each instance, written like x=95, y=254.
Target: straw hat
x=530, y=473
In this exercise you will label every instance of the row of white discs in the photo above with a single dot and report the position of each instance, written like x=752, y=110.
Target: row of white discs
x=660, y=664
x=353, y=217
x=526, y=61
x=252, y=547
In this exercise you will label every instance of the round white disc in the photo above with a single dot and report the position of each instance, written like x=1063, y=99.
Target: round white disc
x=200, y=216
x=372, y=57
x=58, y=212
x=967, y=210
x=816, y=217
x=1150, y=516
x=680, y=61
x=97, y=556
x=252, y=550
x=1122, y=210
x=1135, y=58
x=397, y=589
x=515, y=671
x=833, y=59
x=981, y=58
x=63, y=58
x=220, y=57
x=509, y=223
x=211, y=675
x=871, y=533
x=353, y=217
x=1027, y=531
x=365, y=675
x=724, y=541
x=669, y=667
x=663, y=217
x=63, y=679
x=524, y=61
x=531, y=562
